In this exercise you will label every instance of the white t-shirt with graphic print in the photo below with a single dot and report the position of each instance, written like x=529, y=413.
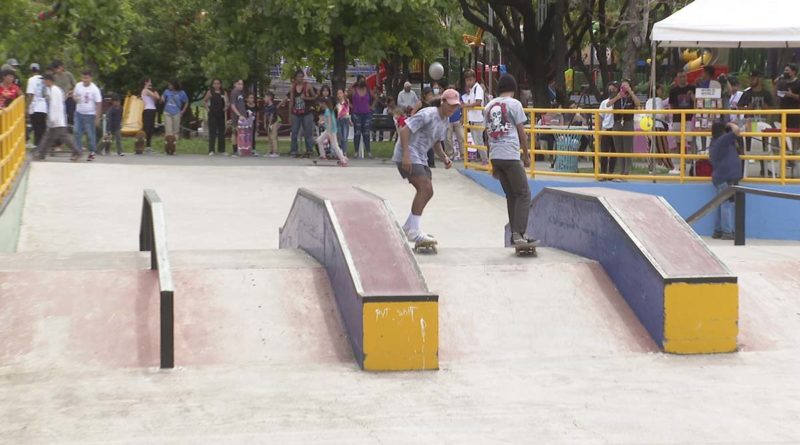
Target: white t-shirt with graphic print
x=502, y=116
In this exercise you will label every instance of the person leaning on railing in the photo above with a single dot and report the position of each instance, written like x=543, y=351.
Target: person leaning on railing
x=727, y=171
x=624, y=100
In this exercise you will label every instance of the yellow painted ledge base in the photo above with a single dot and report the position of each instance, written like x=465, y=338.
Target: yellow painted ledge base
x=401, y=336
x=701, y=318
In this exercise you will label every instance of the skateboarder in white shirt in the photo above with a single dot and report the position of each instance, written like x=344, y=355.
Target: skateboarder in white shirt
x=505, y=127
x=425, y=129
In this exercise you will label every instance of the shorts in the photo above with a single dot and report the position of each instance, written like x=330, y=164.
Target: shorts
x=416, y=170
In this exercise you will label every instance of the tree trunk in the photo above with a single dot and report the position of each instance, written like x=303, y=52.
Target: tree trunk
x=339, y=79
x=560, y=47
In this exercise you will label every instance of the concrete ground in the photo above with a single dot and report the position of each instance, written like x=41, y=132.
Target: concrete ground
x=532, y=350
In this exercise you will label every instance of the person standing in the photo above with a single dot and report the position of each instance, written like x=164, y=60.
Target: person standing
x=505, y=127
x=421, y=131
x=787, y=88
x=681, y=97
x=251, y=106
x=624, y=100
x=66, y=81
x=343, y=121
x=727, y=171
x=475, y=98
x=37, y=104
x=114, y=128
x=56, y=122
x=607, y=163
x=8, y=88
x=755, y=97
x=88, y=109
x=149, y=97
x=271, y=123
x=407, y=99
x=361, y=98
x=237, y=104
x=300, y=99
x=660, y=124
x=216, y=102
x=175, y=103
x=455, y=128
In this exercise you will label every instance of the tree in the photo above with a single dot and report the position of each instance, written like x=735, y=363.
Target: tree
x=89, y=33
x=526, y=29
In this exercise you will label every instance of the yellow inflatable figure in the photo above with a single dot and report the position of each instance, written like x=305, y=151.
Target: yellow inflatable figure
x=698, y=61
x=646, y=123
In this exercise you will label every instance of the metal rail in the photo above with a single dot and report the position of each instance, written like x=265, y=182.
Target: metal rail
x=738, y=193
x=153, y=238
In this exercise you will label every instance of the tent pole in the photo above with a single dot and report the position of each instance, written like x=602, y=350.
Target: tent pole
x=653, y=163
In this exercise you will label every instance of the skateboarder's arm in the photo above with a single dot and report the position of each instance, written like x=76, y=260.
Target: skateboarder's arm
x=439, y=149
x=404, y=138
x=523, y=143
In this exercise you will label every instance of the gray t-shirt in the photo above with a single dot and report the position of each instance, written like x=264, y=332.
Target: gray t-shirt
x=427, y=128
x=237, y=100
x=502, y=115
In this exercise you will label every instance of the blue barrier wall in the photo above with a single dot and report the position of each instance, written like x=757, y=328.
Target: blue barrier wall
x=767, y=218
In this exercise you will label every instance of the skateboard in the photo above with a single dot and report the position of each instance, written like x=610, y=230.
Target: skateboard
x=244, y=137
x=426, y=246
x=528, y=249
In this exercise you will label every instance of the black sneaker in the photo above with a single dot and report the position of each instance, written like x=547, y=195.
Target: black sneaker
x=728, y=236
x=90, y=158
x=716, y=235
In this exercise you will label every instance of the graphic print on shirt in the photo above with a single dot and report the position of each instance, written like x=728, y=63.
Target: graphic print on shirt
x=499, y=124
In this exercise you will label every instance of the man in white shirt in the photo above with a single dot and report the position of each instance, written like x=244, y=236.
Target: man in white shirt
x=407, y=99
x=608, y=164
x=37, y=105
x=88, y=109
x=475, y=98
x=56, y=122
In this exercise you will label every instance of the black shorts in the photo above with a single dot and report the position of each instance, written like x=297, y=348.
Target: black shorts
x=416, y=170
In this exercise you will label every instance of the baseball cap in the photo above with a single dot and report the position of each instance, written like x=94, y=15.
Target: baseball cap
x=407, y=85
x=34, y=67
x=451, y=96
x=12, y=62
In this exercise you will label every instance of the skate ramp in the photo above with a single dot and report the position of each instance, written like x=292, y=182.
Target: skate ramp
x=390, y=316
x=682, y=293
x=101, y=310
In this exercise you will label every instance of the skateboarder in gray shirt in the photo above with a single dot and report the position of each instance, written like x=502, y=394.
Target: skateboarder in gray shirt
x=505, y=126
x=425, y=129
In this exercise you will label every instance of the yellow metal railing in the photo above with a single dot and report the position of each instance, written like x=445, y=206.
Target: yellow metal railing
x=685, y=152
x=12, y=144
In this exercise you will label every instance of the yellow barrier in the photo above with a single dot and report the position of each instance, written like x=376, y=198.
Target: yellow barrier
x=685, y=151
x=12, y=144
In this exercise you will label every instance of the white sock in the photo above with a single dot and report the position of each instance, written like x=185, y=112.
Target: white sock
x=413, y=222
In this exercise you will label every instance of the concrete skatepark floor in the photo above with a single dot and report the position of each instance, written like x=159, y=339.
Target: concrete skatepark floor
x=532, y=350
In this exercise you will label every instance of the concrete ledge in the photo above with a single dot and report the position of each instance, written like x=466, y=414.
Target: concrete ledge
x=680, y=291
x=390, y=316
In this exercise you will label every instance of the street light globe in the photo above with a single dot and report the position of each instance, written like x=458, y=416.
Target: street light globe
x=436, y=71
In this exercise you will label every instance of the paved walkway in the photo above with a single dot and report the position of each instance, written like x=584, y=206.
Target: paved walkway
x=532, y=350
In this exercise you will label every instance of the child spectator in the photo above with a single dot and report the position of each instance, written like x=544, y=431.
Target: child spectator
x=271, y=123
x=114, y=116
x=343, y=121
x=329, y=119
x=8, y=89
x=727, y=171
x=251, y=107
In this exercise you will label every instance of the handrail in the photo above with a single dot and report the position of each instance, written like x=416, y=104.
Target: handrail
x=12, y=146
x=778, y=140
x=153, y=238
x=739, y=193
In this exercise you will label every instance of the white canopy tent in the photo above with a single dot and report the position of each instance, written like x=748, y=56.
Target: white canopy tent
x=732, y=24
x=729, y=24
